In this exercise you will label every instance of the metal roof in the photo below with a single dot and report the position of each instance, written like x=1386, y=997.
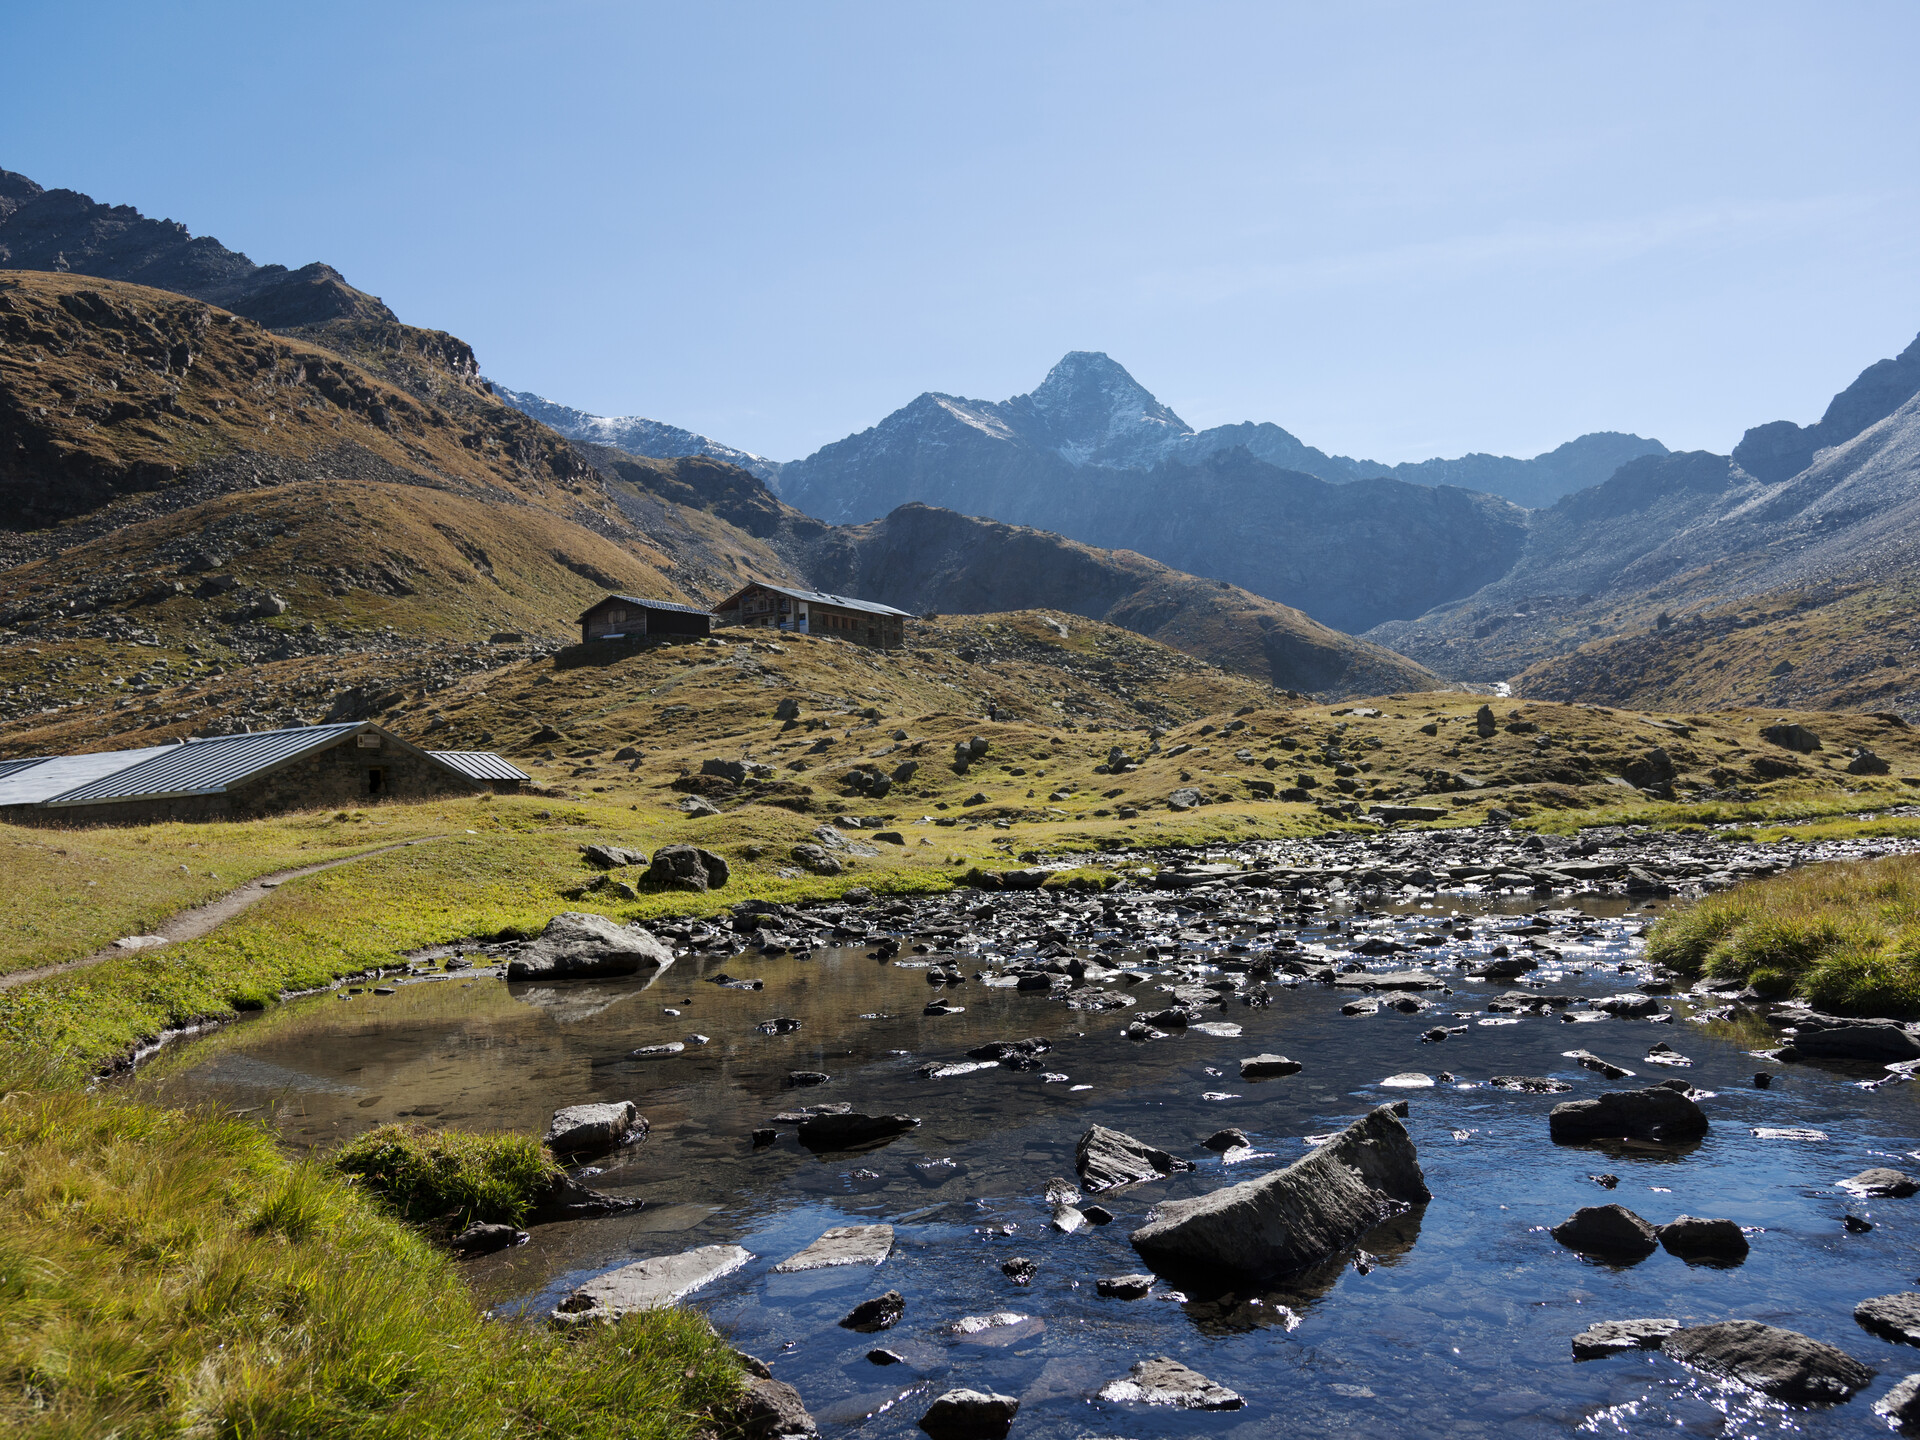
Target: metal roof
x=647, y=605
x=818, y=598
x=479, y=764
x=202, y=767
x=34, y=781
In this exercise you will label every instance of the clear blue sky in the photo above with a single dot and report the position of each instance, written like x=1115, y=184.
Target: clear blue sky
x=1400, y=230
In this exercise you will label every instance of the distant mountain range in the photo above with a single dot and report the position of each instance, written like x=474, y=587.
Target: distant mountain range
x=653, y=439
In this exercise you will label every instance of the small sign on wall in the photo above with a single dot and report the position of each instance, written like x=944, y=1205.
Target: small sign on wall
x=369, y=742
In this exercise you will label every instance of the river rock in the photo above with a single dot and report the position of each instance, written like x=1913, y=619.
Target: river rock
x=1629, y=1004
x=839, y=1131
x=481, y=1238
x=882, y=1312
x=687, y=867
x=1883, y=1182
x=970, y=1415
x=1012, y=1052
x=769, y=1409
x=1267, y=1067
x=1896, y=1316
x=1286, y=1221
x=1781, y=1363
x=1834, y=1037
x=1610, y=1337
x=1222, y=1141
x=1019, y=1269
x=1610, y=1232
x=1656, y=1113
x=1124, y=1287
x=1692, y=1238
x=567, y=1199
x=1901, y=1404
x=591, y=1129
x=577, y=946
x=1593, y=1062
x=1106, y=1158
x=1162, y=1381
x=648, y=1284
x=1530, y=1084
x=842, y=1245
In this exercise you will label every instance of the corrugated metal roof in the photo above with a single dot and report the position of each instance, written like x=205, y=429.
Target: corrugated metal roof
x=479, y=764
x=818, y=598
x=7, y=767
x=202, y=767
x=40, y=780
x=648, y=605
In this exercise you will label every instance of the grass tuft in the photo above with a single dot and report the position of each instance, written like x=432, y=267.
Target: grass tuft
x=427, y=1174
x=1845, y=936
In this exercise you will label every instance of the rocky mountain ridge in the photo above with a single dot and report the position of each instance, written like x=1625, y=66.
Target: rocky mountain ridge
x=633, y=434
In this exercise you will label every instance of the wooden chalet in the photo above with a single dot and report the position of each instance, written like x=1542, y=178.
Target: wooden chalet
x=626, y=617
x=809, y=612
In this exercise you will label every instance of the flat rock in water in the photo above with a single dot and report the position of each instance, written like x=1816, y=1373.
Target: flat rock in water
x=1781, y=1363
x=588, y=1129
x=1692, y=1238
x=1124, y=1287
x=1834, y=1037
x=1656, y=1113
x=1530, y=1084
x=1286, y=1221
x=1390, y=980
x=1360, y=1007
x=648, y=1284
x=1408, y=1080
x=1106, y=1158
x=577, y=946
x=1882, y=1181
x=1267, y=1067
x=1901, y=1404
x=1610, y=1337
x=833, y=1131
x=1896, y=1316
x=1593, y=1062
x=842, y=1245
x=1610, y=1232
x=1162, y=1381
x=970, y=1415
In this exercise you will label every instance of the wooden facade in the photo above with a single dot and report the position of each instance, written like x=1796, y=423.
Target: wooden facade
x=626, y=617
x=809, y=612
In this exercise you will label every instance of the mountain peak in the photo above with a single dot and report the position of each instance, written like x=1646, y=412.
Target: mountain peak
x=1094, y=412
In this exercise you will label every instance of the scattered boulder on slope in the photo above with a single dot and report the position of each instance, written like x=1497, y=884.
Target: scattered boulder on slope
x=1286, y=1221
x=687, y=867
x=578, y=946
x=1781, y=1363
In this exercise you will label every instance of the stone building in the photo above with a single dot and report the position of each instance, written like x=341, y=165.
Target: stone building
x=238, y=777
x=808, y=612
x=625, y=617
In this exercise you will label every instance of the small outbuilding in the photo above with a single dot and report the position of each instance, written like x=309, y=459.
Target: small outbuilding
x=627, y=617
x=811, y=612
x=239, y=777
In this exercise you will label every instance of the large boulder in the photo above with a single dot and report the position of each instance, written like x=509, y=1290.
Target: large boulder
x=578, y=946
x=726, y=769
x=1781, y=1363
x=592, y=1129
x=1286, y=1221
x=1791, y=737
x=1106, y=1158
x=812, y=857
x=613, y=857
x=1609, y=1232
x=969, y=1415
x=687, y=867
x=1716, y=1242
x=1836, y=1037
x=1656, y=1113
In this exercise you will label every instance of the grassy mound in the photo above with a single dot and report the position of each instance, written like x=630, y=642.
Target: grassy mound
x=1845, y=936
x=448, y=1174
x=165, y=1273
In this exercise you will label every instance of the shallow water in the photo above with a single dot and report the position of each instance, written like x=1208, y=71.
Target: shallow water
x=1456, y=1322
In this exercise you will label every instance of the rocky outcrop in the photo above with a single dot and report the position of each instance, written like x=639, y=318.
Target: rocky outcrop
x=1286, y=1221
x=579, y=946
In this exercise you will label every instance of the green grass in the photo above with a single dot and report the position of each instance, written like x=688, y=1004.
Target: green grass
x=450, y=1175
x=1845, y=936
x=171, y=1274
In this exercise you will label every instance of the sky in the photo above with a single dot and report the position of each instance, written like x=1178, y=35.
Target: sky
x=1398, y=230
